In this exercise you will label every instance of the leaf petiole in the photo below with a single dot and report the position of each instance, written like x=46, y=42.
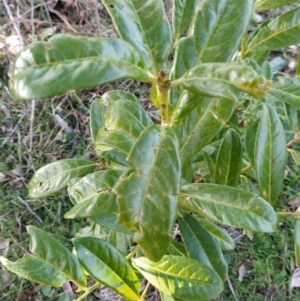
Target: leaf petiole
x=88, y=291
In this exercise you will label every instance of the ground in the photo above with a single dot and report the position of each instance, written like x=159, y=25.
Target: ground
x=37, y=132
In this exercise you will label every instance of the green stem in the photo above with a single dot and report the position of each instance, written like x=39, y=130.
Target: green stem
x=135, y=250
x=88, y=291
x=162, y=96
x=246, y=169
x=145, y=292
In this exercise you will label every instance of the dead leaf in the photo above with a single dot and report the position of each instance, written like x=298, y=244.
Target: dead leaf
x=4, y=246
x=242, y=272
x=295, y=281
x=295, y=202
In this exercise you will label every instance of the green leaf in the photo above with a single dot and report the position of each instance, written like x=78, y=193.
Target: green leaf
x=176, y=248
x=229, y=160
x=51, y=262
x=99, y=107
x=214, y=29
x=225, y=80
x=297, y=243
x=201, y=246
x=109, y=221
x=292, y=117
x=219, y=235
x=281, y=32
x=123, y=123
x=107, y=265
x=262, y=5
x=230, y=206
x=202, y=125
x=55, y=176
x=251, y=144
x=147, y=196
x=180, y=277
x=270, y=154
x=165, y=297
x=183, y=10
x=145, y=26
x=66, y=63
x=92, y=195
x=295, y=155
x=289, y=94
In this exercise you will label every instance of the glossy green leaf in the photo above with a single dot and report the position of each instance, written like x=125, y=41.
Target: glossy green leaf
x=201, y=246
x=183, y=10
x=99, y=107
x=230, y=206
x=262, y=5
x=145, y=26
x=289, y=94
x=50, y=263
x=248, y=185
x=297, y=243
x=224, y=240
x=93, y=195
x=210, y=163
x=225, y=80
x=119, y=240
x=107, y=265
x=202, y=125
x=55, y=176
x=109, y=221
x=186, y=103
x=270, y=154
x=251, y=144
x=214, y=30
x=281, y=32
x=147, y=196
x=123, y=123
x=180, y=277
x=229, y=160
x=165, y=297
x=295, y=155
x=66, y=63
x=178, y=249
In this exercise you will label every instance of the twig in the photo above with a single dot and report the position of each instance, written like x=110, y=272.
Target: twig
x=13, y=130
x=64, y=19
x=30, y=210
x=14, y=23
x=232, y=289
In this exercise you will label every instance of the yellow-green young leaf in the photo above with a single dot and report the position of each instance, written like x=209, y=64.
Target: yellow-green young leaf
x=144, y=25
x=201, y=246
x=262, y=5
x=230, y=206
x=93, y=195
x=295, y=155
x=55, y=176
x=148, y=195
x=107, y=265
x=270, y=154
x=99, y=107
x=289, y=94
x=202, y=125
x=183, y=11
x=229, y=159
x=225, y=80
x=224, y=240
x=180, y=277
x=281, y=32
x=297, y=243
x=66, y=63
x=214, y=29
x=50, y=263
